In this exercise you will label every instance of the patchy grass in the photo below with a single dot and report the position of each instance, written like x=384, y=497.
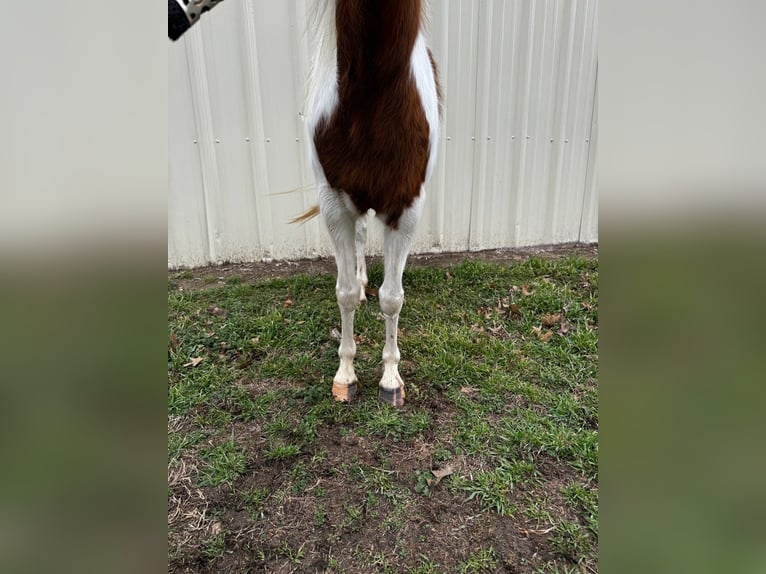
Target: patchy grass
x=267, y=473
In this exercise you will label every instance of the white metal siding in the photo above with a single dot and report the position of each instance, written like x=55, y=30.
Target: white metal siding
x=517, y=154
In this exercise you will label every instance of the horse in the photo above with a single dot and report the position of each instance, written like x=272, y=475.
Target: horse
x=373, y=120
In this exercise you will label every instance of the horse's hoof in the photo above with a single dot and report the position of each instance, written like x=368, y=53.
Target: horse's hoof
x=344, y=393
x=393, y=397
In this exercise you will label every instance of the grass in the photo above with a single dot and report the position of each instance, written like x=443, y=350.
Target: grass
x=483, y=560
x=500, y=363
x=222, y=463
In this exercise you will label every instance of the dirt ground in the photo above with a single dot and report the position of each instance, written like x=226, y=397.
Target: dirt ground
x=216, y=275
x=357, y=535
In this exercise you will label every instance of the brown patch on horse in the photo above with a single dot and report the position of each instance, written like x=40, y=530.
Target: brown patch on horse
x=375, y=146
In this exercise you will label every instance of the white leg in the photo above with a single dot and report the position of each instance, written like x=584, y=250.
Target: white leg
x=341, y=222
x=396, y=245
x=361, y=265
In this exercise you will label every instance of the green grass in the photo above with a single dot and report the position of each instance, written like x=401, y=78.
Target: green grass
x=500, y=364
x=222, y=463
x=483, y=560
x=570, y=541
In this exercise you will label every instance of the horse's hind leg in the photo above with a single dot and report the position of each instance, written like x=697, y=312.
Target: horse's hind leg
x=396, y=245
x=361, y=265
x=341, y=223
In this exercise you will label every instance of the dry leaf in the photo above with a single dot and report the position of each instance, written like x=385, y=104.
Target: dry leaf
x=371, y=292
x=525, y=291
x=193, y=362
x=496, y=330
x=515, y=311
x=564, y=328
x=287, y=303
x=335, y=334
x=216, y=310
x=545, y=337
x=551, y=320
x=173, y=342
x=441, y=473
x=468, y=390
x=215, y=528
x=255, y=340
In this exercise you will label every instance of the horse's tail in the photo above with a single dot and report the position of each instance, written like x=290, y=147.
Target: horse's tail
x=304, y=217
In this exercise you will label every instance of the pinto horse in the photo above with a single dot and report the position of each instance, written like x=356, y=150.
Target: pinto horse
x=373, y=120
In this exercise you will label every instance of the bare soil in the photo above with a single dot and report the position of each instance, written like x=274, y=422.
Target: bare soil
x=358, y=533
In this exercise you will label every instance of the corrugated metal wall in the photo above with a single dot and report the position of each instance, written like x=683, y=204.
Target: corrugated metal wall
x=518, y=150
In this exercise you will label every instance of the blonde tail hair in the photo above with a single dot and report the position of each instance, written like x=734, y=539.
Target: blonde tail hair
x=304, y=217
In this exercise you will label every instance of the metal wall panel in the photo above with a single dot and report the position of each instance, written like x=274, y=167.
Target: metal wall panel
x=517, y=153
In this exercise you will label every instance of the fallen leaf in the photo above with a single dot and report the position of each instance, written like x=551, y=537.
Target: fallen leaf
x=441, y=473
x=468, y=390
x=216, y=310
x=193, y=362
x=255, y=340
x=287, y=303
x=215, y=528
x=545, y=337
x=551, y=320
x=525, y=291
x=496, y=330
x=335, y=334
x=564, y=328
x=173, y=342
x=515, y=311
x=371, y=292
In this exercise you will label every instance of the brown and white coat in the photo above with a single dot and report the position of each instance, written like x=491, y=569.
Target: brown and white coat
x=373, y=121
